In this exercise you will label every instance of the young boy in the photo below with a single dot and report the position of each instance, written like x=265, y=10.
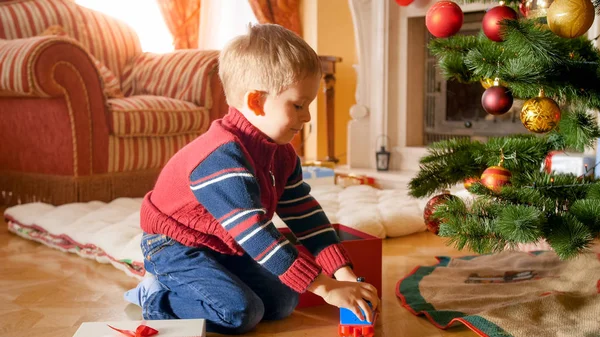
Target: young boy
x=209, y=243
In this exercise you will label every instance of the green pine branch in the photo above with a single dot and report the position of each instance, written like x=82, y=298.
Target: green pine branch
x=567, y=235
x=452, y=161
x=587, y=211
x=449, y=162
x=492, y=223
x=521, y=223
x=472, y=227
x=530, y=58
x=578, y=128
x=594, y=191
x=562, y=208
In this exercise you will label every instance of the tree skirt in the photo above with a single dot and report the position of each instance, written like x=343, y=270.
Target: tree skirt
x=110, y=232
x=508, y=294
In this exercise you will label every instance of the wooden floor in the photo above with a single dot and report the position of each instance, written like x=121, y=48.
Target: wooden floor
x=47, y=293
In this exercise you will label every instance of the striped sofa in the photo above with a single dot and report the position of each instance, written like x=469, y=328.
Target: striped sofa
x=64, y=137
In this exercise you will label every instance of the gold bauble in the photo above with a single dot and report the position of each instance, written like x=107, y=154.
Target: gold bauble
x=570, y=18
x=486, y=83
x=534, y=8
x=540, y=114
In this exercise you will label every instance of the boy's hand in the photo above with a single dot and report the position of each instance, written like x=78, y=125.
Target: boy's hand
x=345, y=274
x=350, y=295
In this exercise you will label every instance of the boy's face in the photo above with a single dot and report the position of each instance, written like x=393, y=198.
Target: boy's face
x=285, y=114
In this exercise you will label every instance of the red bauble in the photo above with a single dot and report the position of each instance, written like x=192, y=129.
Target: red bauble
x=491, y=20
x=497, y=100
x=444, y=19
x=404, y=2
x=433, y=224
x=467, y=183
x=495, y=177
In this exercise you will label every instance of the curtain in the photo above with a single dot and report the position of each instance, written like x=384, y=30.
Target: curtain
x=183, y=19
x=282, y=12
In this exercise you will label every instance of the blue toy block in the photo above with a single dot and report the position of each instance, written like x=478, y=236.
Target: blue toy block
x=347, y=317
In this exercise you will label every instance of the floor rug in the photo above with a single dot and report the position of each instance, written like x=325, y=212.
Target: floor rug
x=508, y=294
x=111, y=233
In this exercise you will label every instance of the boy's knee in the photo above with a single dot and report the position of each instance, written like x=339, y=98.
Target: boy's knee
x=245, y=316
x=283, y=307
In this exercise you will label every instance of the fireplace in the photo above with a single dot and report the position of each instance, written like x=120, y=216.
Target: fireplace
x=453, y=109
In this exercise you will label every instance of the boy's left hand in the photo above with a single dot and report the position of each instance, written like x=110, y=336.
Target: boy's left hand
x=347, y=274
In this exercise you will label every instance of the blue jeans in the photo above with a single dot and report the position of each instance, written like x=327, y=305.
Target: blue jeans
x=233, y=293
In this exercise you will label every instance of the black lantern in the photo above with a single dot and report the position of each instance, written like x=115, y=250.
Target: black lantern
x=383, y=159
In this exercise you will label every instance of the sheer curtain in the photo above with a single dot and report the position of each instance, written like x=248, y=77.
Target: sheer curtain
x=143, y=16
x=222, y=20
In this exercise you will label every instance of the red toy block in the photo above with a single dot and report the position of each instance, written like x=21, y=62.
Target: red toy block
x=365, y=251
x=356, y=330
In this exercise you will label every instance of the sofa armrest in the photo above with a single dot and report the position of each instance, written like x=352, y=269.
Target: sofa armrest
x=50, y=86
x=29, y=66
x=188, y=75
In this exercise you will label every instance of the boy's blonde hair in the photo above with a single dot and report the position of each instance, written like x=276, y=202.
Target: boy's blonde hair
x=269, y=58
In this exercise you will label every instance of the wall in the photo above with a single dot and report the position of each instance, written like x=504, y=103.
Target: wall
x=328, y=28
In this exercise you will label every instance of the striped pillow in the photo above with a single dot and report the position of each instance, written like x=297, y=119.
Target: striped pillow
x=112, y=87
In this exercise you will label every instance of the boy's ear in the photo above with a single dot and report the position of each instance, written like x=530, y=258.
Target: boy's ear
x=256, y=102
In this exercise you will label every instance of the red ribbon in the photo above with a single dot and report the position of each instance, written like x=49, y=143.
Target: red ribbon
x=548, y=161
x=141, y=331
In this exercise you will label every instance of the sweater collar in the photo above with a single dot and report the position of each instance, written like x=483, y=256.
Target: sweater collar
x=259, y=145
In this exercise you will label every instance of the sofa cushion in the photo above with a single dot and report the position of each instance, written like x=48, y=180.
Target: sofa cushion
x=126, y=154
x=147, y=115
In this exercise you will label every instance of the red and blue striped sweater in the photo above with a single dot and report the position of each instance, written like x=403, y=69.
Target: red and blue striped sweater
x=222, y=190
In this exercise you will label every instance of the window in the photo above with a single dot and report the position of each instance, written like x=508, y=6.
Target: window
x=222, y=20
x=143, y=16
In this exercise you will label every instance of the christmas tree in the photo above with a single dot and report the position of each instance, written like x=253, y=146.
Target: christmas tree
x=542, y=56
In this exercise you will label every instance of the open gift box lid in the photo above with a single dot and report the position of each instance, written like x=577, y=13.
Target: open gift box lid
x=166, y=328
x=365, y=252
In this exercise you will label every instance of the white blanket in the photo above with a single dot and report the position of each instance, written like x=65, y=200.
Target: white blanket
x=110, y=232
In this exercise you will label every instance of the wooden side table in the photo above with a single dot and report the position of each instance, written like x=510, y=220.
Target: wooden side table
x=328, y=69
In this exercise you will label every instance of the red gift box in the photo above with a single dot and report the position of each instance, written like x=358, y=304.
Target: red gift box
x=365, y=251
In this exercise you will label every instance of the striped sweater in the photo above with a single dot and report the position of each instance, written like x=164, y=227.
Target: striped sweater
x=222, y=190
